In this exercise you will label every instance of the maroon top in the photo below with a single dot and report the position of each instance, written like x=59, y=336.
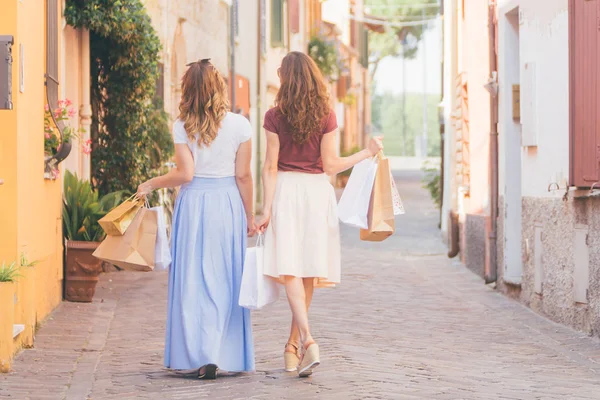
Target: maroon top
x=304, y=157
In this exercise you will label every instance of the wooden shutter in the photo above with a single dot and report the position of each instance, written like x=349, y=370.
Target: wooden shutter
x=294, y=10
x=363, y=44
x=160, y=83
x=276, y=23
x=584, y=44
x=52, y=56
x=353, y=34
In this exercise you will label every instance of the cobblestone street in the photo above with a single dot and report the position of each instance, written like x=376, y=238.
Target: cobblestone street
x=406, y=323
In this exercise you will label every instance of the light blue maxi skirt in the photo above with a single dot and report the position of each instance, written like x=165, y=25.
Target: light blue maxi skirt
x=205, y=324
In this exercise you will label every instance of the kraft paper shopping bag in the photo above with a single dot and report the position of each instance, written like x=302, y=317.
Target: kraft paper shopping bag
x=116, y=222
x=135, y=250
x=381, y=207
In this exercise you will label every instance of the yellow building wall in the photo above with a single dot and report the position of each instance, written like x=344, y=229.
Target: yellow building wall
x=30, y=207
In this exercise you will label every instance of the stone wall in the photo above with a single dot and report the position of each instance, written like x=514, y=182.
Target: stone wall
x=553, y=283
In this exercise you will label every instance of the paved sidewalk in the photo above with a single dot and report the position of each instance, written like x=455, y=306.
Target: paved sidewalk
x=406, y=323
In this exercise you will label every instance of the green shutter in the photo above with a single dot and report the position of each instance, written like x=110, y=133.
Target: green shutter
x=363, y=45
x=277, y=23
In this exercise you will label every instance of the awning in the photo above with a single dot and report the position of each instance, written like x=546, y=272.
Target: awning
x=373, y=23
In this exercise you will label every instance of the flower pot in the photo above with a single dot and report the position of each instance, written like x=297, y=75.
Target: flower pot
x=63, y=152
x=82, y=270
x=7, y=319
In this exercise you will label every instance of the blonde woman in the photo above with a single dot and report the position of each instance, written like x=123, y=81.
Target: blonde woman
x=302, y=241
x=206, y=328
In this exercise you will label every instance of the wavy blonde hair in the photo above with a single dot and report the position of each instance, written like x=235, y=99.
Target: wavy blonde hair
x=303, y=96
x=204, y=101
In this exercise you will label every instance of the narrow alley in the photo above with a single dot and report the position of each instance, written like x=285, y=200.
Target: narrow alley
x=406, y=323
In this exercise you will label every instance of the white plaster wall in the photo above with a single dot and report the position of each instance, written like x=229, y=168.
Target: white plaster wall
x=337, y=12
x=544, y=37
x=450, y=71
x=205, y=30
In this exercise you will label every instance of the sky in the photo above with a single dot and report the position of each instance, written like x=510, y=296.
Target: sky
x=389, y=73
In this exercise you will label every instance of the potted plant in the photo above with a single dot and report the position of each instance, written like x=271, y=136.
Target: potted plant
x=325, y=54
x=342, y=178
x=8, y=276
x=82, y=208
x=57, y=142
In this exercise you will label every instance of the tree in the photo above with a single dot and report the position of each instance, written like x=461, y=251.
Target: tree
x=398, y=40
x=130, y=135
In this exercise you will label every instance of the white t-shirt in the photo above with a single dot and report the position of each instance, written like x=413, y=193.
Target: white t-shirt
x=218, y=159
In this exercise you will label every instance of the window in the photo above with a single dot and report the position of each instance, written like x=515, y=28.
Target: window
x=277, y=24
x=585, y=83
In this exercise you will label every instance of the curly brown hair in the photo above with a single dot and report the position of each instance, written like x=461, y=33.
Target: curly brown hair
x=303, y=96
x=204, y=101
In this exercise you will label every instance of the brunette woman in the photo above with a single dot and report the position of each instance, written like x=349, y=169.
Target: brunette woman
x=302, y=241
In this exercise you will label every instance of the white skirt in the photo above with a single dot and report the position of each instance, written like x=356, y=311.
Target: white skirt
x=303, y=237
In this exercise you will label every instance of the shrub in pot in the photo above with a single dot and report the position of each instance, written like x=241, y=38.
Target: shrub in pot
x=8, y=275
x=82, y=208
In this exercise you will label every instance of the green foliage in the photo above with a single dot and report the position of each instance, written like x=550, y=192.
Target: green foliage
x=433, y=183
x=82, y=208
x=130, y=136
x=26, y=263
x=386, y=116
x=9, y=273
x=325, y=55
x=391, y=42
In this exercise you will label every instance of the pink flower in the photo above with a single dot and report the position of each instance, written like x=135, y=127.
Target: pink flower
x=58, y=112
x=86, y=148
x=46, y=108
x=72, y=112
x=68, y=102
x=55, y=173
x=47, y=135
x=61, y=103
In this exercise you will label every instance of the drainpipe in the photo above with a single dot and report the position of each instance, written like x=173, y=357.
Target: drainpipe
x=491, y=265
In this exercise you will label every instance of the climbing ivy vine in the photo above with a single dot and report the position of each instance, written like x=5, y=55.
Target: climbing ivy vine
x=130, y=137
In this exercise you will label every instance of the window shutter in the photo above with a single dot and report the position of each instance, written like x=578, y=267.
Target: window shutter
x=585, y=85
x=294, y=7
x=276, y=23
x=160, y=83
x=363, y=44
x=353, y=34
x=52, y=56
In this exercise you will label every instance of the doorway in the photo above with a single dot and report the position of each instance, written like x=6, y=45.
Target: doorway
x=513, y=262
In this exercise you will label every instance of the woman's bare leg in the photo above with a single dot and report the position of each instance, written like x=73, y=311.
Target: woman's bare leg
x=297, y=298
x=294, y=332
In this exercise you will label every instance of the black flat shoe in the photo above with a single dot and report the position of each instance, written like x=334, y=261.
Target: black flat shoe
x=210, y=372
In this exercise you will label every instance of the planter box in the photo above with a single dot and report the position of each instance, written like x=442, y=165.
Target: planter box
x=25, y=308
x=7, y=319
x=82, y=270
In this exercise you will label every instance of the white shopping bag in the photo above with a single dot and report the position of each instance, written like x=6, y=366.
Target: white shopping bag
x=162, y=250
x=398, y=207
x=353, y=207
x=257, y=289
